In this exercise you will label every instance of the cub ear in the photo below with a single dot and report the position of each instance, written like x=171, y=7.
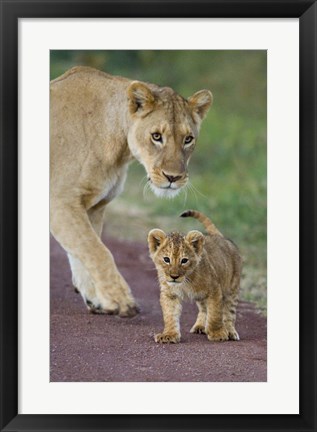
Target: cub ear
x=155, y=239
x=140, y=97
x=197, y=240
x=200, y=103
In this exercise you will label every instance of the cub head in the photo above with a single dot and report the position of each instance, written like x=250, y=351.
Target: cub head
x=163, y=132
x=175, y=255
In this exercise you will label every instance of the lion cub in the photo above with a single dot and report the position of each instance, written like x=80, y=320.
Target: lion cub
x=204, y=268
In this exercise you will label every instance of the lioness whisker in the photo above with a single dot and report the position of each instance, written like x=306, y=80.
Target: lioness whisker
x=190, y=188
x=142, y=180
x=146, y=190
x=185, y=194
x=198, y=191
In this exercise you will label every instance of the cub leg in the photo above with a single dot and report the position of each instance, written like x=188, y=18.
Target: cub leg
x=229, y=310
x=74, y=230
x=200, y=324
x=215, y=328
x=171, y=308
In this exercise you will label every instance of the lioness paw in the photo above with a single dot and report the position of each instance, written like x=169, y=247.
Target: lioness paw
x=167, y=338
x=96, y=308
x=129, y=311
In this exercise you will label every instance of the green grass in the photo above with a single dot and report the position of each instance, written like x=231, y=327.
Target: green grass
x=228, y=168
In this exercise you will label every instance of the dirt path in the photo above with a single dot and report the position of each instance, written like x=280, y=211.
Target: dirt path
x=86, y=347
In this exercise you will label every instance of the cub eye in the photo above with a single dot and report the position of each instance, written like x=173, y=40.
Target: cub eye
x=157, y=136
x=184, y=260
x=166, y=259
x=188, y=139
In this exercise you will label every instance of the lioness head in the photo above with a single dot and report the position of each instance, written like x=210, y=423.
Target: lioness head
x=163, y=133
x=175, y=255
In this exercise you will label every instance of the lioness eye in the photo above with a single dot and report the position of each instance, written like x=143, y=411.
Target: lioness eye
x=166, y=259
x=184, y=260
x=188, y=139
x=157, y=136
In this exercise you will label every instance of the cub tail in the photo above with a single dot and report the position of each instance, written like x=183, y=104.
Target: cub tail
x=210, y=227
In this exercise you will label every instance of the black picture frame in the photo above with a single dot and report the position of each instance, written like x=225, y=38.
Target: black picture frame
x=11, y=11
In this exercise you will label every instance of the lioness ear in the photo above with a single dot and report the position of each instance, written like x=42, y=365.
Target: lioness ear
x=197, y=240
x=141, y=99
x=200, y=103
x=155, y=239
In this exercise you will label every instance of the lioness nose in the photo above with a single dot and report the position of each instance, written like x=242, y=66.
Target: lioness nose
x=172, y=178
x=174, y=277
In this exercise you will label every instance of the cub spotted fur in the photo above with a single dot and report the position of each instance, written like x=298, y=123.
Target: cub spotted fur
x=99, y=123
x=204, y=268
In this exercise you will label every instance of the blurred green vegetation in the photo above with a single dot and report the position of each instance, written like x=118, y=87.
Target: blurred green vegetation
x=228, y=167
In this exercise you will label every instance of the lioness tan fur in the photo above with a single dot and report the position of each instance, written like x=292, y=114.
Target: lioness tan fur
x=99, y=123
x=204, y=268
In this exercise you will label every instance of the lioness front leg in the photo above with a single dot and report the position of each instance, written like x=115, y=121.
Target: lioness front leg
x=171, y=308
x=108, y=292
x=80, y=276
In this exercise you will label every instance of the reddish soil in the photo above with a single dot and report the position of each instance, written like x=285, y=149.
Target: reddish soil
x=86, y=347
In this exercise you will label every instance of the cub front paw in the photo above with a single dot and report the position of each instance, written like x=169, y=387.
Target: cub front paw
x=167, y=338
x=218, y=335
x=234, y=335
x=199, y=329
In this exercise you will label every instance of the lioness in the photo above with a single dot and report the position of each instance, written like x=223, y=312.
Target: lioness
x=204, y=268
x=98, y=124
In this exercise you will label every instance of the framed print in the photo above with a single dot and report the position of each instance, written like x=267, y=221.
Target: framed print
x=92, y=335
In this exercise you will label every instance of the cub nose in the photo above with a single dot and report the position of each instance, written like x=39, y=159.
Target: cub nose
x=174, y=277
x=172, y=178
